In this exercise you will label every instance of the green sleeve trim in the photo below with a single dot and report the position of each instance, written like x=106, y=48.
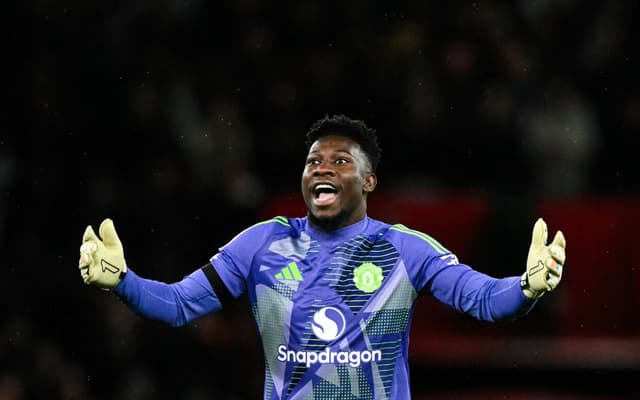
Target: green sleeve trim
x=279, y=219
x=431, y=241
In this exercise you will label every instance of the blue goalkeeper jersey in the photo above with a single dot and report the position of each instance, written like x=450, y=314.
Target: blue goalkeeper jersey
x=333, y=309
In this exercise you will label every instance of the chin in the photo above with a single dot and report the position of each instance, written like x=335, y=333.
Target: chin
x=328, y=221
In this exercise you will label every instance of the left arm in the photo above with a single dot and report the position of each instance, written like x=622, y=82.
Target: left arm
x=491, y=299
x=479, y=295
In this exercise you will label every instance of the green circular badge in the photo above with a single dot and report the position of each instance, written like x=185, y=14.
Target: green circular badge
x=368, y=277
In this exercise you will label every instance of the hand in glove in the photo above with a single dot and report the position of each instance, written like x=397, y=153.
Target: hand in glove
x=544, y=262
x=102, y=260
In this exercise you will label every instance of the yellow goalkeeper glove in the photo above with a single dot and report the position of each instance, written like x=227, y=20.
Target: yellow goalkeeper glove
x=102, y=261
x=544, y=262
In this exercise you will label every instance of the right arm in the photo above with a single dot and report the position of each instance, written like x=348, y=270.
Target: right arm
x=102, y=264
x=175, y=304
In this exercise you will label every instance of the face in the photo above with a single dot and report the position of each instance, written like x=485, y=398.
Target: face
x=335, y=182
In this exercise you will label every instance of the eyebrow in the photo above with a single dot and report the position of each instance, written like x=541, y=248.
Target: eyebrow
x=336, y=151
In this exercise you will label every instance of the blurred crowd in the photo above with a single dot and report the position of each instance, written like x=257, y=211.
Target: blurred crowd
x=180, y=119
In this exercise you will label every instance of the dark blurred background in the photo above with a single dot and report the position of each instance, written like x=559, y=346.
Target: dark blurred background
x=184, y=121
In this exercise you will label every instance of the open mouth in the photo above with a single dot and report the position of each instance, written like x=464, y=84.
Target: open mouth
x=324, y=193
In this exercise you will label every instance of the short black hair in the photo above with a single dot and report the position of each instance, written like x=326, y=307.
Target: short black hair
x=354, y=129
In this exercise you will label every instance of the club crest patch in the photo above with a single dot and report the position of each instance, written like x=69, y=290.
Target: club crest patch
x=367, y=277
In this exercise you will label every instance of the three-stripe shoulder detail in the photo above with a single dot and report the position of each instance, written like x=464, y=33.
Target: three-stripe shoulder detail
x=431, y=241
x=279, y=220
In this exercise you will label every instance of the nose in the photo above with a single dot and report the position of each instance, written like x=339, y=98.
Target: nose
x=324, y=168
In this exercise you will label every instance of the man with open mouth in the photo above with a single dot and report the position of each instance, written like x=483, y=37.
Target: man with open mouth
x=332, y=293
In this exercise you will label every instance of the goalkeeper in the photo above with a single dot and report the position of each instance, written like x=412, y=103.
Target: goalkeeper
x=332, y=292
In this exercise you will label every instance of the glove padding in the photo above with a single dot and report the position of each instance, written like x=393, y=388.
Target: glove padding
x=544, y=262
x=102, y=261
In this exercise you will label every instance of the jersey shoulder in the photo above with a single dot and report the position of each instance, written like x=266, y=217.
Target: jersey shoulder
x=282, y=223
x=278, y=222
x=273, y=226
x=257, y=235
x=406, y=237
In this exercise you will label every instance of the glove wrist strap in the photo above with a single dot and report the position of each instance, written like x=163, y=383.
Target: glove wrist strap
x=526, y=289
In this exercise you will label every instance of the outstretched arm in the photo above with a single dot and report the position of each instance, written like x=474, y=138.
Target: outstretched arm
x=102, y=264
x=493, y=299
x=175, y=304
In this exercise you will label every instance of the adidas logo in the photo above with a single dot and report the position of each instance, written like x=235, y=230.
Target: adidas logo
x=290, y=272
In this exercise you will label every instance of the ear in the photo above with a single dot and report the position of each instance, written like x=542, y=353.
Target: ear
x=370, y=182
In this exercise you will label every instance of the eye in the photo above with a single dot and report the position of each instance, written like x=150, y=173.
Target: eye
x=313, y=162
x=342, y=161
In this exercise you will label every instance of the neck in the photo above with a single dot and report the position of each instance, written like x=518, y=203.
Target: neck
x=342, y=219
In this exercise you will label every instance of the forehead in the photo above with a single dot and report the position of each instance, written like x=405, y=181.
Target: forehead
x=336, y=143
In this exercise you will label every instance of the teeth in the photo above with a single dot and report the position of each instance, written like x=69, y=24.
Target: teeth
x=324, y=186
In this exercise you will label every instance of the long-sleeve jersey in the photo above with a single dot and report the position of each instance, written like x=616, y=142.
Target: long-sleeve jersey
x=333, y=309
